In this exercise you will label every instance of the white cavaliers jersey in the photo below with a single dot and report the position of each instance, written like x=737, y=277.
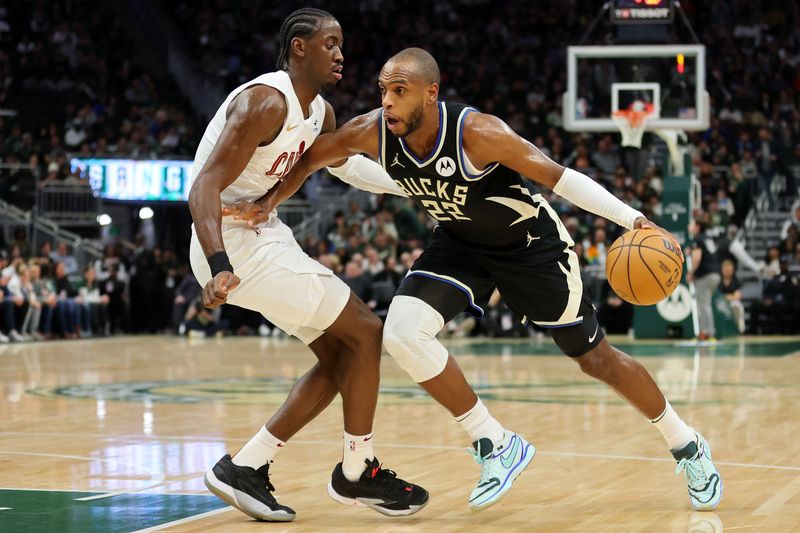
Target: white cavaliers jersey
x=270, y=162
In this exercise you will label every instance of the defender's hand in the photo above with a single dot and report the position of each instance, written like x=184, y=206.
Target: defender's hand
x=216, y=290
x=253, y=212
x=643, y=223
x=241, y=210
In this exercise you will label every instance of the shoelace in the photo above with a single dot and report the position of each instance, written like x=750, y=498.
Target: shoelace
x=385, y=478
x=694, y=471
x=481, y=461
x=263, y=474
x=475, y=455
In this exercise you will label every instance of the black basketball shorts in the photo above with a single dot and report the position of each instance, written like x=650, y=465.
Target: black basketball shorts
x=540, y=282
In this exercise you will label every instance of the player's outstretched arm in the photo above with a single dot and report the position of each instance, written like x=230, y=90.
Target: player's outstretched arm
x=358, y=136
x=487, y=139
x=253, y=117
x=363, y=173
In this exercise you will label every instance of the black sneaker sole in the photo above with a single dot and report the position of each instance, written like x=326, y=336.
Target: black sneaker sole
x=365, y=502
x=244, y=502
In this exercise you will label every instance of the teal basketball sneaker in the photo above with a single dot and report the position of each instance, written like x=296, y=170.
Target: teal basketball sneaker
x=705, y=483
x=500, y=466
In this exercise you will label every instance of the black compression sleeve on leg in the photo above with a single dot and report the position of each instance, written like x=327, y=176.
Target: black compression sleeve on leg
x=576, y=340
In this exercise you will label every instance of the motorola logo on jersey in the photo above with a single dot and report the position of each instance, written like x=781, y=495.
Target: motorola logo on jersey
x=446, y=167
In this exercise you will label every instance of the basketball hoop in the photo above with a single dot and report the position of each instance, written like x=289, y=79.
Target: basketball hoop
x=632, y=122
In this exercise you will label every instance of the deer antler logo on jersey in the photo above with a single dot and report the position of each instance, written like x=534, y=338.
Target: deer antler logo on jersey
x=525, y=209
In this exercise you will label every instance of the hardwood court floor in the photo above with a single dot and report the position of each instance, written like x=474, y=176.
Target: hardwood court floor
x=115, y=434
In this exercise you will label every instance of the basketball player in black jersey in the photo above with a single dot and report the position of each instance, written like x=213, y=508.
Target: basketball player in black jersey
x=464, y=168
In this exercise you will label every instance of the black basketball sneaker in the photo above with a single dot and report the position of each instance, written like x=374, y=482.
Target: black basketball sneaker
x=378, y=489
x=247, y=489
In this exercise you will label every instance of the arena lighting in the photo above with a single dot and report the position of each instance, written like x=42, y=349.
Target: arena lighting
x=104, y=219
x=145, y=213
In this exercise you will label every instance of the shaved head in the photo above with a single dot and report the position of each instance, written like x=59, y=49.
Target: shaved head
x=419, y=62
x=409, y=85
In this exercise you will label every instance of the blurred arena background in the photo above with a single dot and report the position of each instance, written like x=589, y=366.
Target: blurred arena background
x=102, y=105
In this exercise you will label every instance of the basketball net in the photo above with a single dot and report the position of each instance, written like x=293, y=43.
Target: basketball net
x=632, y=122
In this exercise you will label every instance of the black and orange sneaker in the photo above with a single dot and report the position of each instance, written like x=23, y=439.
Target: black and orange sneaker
x=247, y=489
x=378, y=489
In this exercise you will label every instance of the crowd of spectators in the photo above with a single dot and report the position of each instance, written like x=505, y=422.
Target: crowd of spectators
x=506, y=58
x=46, y=294
x=73, y=86
x=509, y=59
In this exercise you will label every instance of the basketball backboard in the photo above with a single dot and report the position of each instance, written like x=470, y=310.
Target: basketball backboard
x=605, y=79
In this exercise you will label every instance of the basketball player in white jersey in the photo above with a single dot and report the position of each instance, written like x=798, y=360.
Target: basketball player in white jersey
x=259, y=132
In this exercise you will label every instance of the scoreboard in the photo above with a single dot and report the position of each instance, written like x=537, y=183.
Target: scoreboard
x=136, y=180
x=642, y=11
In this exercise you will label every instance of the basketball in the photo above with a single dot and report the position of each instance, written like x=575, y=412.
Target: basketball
x=643, y=267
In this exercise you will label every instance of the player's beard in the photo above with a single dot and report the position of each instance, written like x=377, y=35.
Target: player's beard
x=413, y=122
x=328, y=87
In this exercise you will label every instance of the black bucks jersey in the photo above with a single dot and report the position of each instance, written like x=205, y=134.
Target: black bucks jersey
x=492, y=207
x=493, y=233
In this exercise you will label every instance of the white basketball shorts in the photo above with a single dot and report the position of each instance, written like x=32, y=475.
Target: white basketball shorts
x=278, y=279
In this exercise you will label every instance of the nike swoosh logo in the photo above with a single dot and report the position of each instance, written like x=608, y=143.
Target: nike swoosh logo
x=713, y=479
x=596, y=329
x=507, y=460
x=290, y=128
x=493, y=483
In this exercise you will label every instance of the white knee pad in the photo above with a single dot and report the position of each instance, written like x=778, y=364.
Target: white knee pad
x=410, y=337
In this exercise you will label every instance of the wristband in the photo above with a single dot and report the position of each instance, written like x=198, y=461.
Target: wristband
x=219, y=262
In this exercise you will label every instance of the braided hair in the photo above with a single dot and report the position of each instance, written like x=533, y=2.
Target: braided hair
x=301, y=23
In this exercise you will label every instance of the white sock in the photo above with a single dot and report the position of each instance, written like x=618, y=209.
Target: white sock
x=480, y=424
x=357, y=449
x=675, y=431
x=259, y=450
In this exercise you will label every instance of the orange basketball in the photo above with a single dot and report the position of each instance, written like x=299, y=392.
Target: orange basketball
x=643, y=267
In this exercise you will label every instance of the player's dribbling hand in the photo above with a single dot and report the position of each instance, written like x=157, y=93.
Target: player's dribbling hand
x=643, y=223
x=217, y=289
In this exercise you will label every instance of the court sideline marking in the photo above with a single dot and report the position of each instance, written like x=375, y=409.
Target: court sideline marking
x=154, y=481
x=383, y=444
x=159, y=527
